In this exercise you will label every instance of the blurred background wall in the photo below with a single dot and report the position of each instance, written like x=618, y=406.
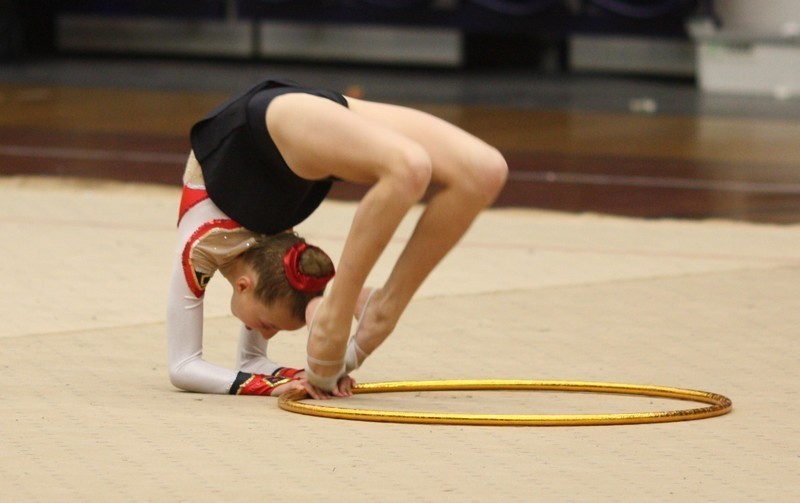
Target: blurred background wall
x=744, y=46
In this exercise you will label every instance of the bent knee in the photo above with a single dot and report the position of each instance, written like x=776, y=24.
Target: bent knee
x=486, y=176
x=411, y=173
x=495, y=172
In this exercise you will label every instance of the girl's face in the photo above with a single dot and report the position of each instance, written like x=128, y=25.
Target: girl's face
x=267, y=320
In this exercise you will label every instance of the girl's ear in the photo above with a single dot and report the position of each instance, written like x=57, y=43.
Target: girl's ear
x=243, y=283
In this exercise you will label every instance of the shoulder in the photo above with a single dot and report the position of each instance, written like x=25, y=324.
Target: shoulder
x=213, y=246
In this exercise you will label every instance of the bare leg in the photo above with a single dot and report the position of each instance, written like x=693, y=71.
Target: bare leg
x=398, y=151
x=471, y=174
x=319, y=138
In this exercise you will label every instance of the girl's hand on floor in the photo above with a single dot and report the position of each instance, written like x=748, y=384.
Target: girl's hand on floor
x=301, y=384
x=344, y=387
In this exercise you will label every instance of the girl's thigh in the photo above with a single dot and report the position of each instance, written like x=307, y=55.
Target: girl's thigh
x=319, y=138
x=452, y=150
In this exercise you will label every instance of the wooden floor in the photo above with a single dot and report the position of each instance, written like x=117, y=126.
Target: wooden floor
x=650, y=166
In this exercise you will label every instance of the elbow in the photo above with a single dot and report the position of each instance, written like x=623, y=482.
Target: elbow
x=175, y=378
x=178, y=378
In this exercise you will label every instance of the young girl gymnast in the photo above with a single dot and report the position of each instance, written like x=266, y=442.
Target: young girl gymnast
x=261, y=163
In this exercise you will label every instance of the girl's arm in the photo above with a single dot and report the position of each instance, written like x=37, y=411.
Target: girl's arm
x=257, y=375
x=187, y=369
x=252, y=354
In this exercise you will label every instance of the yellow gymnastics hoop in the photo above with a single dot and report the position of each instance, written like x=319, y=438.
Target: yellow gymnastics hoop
x=719, y=404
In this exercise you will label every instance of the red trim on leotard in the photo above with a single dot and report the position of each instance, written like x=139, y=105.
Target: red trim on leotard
x=286, y=372
x=189, y=198
x=197, y=284
x=261, y=385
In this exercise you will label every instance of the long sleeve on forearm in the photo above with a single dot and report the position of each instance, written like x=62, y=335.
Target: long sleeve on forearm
x=187, y=369
x=252, y=355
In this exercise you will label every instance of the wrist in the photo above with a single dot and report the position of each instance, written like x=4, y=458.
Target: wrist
x=256, y=384
x=287, y=372
x=328, y=381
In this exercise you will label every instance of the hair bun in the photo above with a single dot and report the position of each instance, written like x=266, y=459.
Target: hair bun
x=298, y=279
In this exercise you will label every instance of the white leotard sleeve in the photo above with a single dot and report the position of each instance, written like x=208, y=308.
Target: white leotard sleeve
x=252, y=355
x=187, y=368
x=207, y=241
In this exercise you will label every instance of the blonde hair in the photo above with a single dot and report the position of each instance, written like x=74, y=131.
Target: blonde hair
x=265, y=257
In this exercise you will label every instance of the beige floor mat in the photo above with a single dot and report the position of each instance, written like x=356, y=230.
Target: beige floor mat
x=88, y=412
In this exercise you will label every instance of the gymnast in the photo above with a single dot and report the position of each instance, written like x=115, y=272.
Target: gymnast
x=260, y=164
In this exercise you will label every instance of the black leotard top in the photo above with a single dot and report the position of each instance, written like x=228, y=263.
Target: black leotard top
x=245, y=174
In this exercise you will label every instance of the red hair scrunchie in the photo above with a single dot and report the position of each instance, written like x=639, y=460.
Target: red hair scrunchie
x=298, y=280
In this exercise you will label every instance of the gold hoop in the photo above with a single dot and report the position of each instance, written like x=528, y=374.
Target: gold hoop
x=719, y=404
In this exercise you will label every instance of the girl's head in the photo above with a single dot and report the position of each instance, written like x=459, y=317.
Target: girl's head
x=287, y=274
